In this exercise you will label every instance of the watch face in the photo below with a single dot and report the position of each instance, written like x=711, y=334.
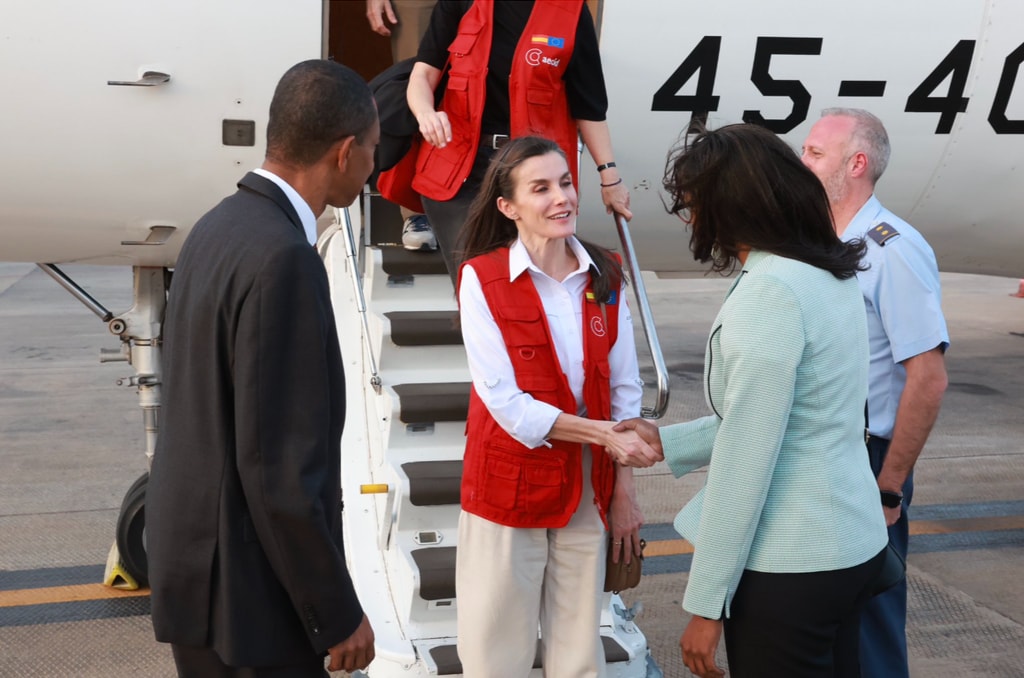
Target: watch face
x=891, y=499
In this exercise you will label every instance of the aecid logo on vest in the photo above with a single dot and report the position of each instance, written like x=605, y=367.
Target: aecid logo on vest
x=535, y=57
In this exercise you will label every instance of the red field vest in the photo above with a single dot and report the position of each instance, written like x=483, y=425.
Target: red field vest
x=503, y=480
x=536, y=96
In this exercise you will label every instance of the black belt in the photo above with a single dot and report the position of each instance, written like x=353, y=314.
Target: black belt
x=868, y=438
x=496, y=141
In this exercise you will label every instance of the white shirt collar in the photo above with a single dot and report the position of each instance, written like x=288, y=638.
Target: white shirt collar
x=304, y=211
x=519, y=258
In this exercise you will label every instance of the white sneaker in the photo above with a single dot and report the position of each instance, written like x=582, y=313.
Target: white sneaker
x=417, y=235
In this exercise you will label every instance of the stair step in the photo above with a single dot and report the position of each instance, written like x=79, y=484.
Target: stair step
x=425, y=328
x=432, y=402
x=398, y=261
x=436, y=566
x=446, y=657
x=434, y=483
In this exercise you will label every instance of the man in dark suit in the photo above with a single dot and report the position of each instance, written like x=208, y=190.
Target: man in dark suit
x=246, y=559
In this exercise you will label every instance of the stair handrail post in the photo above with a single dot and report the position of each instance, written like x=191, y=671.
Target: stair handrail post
x=646, y=320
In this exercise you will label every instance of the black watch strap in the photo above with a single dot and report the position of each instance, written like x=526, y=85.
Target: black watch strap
x=891, y=499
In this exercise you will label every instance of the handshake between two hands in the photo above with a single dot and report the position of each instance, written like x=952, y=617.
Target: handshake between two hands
x=634, y=442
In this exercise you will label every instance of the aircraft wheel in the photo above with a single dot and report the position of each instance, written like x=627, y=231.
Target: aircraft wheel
x=131, y=531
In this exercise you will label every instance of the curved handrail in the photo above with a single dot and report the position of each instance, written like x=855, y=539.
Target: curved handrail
x=646, y=321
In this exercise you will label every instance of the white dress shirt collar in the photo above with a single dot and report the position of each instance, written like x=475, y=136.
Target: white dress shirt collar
x=304, y=211
x=519, y=259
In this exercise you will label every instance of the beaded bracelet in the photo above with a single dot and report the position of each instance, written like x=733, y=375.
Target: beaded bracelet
x=614, y=183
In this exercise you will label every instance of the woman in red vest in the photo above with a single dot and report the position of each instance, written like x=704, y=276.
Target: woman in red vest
x=551, y=354
x=514, y=69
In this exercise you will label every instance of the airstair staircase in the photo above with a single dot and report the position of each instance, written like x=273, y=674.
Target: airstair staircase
x=407, y=397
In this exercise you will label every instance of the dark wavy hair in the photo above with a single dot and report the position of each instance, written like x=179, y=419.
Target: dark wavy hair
x=486, y=228
x=742, y=186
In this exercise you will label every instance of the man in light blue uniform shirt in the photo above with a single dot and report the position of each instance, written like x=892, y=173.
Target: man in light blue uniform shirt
x=848, y=150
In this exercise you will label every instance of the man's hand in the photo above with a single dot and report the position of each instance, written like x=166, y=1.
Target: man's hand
x=698, y=643
x=355, y=652
x=376, y=10
x=647, y=431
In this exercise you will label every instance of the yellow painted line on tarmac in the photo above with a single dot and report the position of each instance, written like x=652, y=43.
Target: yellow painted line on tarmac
x=953, y=525
x=667, y=547
x=64, y=594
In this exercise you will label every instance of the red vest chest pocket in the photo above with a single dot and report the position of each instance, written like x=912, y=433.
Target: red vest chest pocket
x=523, y=326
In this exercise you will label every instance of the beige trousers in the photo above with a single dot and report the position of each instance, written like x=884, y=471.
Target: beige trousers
x=508, y=579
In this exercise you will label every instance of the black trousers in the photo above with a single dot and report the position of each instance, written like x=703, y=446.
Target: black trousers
x=800, y=625
x=447, y=217
x=203, y=662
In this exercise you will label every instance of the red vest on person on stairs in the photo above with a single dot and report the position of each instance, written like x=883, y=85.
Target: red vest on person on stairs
x=503, y=480
x=536, y=95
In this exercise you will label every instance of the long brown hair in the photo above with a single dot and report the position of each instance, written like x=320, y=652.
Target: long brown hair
x=486, y=228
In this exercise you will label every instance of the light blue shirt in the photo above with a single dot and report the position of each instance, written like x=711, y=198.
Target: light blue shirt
x=789, y=487
x=903, y=301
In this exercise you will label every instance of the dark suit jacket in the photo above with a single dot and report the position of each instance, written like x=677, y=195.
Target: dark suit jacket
x=243, y=508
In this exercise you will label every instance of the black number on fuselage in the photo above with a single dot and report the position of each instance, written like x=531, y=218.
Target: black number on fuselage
x=997, y=117
x=955, y=66
x=769, y=86
x=703, y=58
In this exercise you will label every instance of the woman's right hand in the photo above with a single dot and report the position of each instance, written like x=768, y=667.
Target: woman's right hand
x=435, y=128
x=628, y=448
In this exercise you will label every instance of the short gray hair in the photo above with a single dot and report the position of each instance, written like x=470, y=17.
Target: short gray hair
x=869, y=136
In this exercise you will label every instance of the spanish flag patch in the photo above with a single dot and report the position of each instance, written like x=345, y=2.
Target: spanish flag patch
x=549, y=40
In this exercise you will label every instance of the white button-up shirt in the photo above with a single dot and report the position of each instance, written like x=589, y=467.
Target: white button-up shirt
x=524, y=418
x=302, y=208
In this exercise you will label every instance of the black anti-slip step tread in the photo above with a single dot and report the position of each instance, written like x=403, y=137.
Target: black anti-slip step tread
x=434, y=483
x=429, y=403
x=436, y=566
x=425, y=328
x=398, y=261
x=446, y=657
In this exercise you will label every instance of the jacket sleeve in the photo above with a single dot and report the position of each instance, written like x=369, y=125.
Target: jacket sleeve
x=761, y=343
x=688, y=445
x=284, y=418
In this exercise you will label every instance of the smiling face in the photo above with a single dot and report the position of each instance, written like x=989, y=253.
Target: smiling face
x=543, y=203
x=825, y=153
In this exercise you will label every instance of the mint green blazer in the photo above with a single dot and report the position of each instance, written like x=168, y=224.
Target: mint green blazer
x=789, y=487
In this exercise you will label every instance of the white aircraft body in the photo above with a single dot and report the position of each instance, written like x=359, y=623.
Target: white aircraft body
x=125, y=120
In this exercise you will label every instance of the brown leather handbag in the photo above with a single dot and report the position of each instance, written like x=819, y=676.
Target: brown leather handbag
x=620, y=576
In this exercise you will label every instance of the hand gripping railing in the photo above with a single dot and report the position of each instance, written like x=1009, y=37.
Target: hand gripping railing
x=646, y=321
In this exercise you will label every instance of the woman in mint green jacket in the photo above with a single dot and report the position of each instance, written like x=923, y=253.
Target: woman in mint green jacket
x=788, y=531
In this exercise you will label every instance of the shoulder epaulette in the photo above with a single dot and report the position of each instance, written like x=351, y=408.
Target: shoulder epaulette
x=882, y=233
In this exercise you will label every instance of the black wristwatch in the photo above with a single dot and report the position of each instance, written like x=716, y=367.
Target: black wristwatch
x=891, y=499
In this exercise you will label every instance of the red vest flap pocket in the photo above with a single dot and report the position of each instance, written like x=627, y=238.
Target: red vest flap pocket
x=459, y=83
x=544, y=476
x=542, y=97
x=519, y=313
x=464, y=41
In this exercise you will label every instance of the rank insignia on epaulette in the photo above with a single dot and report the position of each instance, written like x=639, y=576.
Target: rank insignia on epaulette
x=882, y=232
